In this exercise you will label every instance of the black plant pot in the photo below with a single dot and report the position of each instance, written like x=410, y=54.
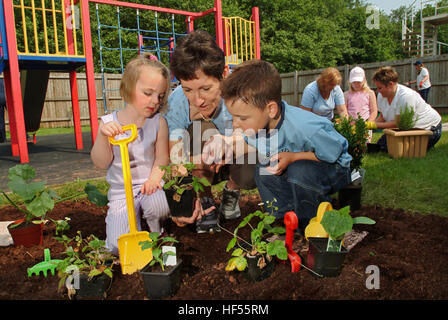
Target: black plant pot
x=160, y=285
x=254, y=273
x=327, y=264
x=350, y=196
x=96, y=288
x=184, y=207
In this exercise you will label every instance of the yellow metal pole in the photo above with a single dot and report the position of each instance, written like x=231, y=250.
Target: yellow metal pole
x=33, y=12
x=231, y=40
x=241, y=39
x=55, y=28
x=226, y=37
x=64, y=23
x=245, y=38
x=44, y=14
x=25, y=38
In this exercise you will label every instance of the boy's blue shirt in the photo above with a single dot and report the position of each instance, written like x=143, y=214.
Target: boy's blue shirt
x=312, y=98
x=177, y=115
x=299, y=130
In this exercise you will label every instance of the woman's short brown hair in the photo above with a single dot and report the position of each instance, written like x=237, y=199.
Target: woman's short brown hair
x=132, y=73
x=385, y=75
x=197, y=51
x=255, y=82
x=329, y=77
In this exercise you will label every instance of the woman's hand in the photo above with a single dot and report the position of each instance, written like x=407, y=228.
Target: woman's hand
x=198, y=213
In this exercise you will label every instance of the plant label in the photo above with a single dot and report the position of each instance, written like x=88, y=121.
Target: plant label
x=169, y=260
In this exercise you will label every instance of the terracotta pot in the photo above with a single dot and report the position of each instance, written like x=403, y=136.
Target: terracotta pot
x=28, y=236
x=407, y=144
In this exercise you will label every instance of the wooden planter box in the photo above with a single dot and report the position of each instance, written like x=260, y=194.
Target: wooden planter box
x=407, y=144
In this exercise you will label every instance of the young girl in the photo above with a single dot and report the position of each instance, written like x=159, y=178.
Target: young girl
x=360, y=98
x=144, y=87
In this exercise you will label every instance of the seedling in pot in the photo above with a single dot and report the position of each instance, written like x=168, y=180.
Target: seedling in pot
x=337, y=223
x=258, y=244
x=407, y=118
x=156, y=243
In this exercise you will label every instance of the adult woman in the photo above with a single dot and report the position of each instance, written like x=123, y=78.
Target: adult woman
x=392, y=97
x=324, y=95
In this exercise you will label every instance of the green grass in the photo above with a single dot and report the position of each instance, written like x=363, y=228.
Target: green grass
x=54, y=131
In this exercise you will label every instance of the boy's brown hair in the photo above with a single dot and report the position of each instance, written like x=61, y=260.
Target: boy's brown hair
x=255, y=82
x=132, y=74
x=385, y=75
x=197, y=51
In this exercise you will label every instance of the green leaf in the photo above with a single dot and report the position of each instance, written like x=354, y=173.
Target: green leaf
x=168, y=184
x=278, y=230
x=277, y=248
x=23, y=171
x=180, y=190
x=27, y=191
x=231, y=244
x=269, y=219
x=337, y=222
x=108, y=272
x=95, y=196
x=94, y=272
x=241, y=263
x=237, y=252
x=204, y=181
x=41, y=205
x=255, y=235
x=363, y=220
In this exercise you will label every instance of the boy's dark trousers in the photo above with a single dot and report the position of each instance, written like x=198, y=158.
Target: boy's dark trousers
x=301, y=187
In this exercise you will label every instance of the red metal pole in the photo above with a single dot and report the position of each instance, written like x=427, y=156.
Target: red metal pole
x=256, y=18
x=218, y=24
x=73, y=82
x=13, y=84
x=10, y=107
x=90, y=74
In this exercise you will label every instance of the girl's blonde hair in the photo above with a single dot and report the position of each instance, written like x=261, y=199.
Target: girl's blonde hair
x=132, y=74
x=329, y=77
x=364, y=86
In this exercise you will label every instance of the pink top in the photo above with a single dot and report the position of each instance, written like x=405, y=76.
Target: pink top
x=358, y=102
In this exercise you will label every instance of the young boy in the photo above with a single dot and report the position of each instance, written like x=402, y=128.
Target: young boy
x=311, y=159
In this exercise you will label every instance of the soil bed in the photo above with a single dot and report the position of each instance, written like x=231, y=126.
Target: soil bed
x=410, y=250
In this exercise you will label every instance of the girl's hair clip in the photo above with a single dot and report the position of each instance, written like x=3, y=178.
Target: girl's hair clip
x=153, y=58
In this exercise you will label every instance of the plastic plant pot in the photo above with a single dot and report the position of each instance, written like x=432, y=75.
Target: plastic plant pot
x=94, y=289
x=327, y=264
x=253, y=272
x=350, y=196
x=160, y=285
x=27, y=236
x=184, y=207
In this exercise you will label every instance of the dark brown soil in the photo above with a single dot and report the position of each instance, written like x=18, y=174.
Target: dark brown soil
x=410, y=250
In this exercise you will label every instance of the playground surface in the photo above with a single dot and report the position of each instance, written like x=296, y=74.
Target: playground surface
x=54, y=158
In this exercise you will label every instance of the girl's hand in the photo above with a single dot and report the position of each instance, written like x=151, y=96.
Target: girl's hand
x=111, y=129
x=198, y=213
x=150, y=186
x=282, y=159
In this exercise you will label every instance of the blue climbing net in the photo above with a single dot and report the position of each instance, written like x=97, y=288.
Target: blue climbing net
x=119, y=43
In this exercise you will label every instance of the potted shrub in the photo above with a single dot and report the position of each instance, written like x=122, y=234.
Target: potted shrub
x=326, y=255
x=88, y=263
x=357, y=134
x=181, y=187
x=255, y=256
x=33, y=200
x=161, y=279
x=406, y=141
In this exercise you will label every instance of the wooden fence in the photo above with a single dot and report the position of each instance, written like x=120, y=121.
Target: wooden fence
x=293, y=83
x=57, y=110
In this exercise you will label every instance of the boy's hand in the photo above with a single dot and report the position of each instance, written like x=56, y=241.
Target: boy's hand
x=198, y=213
x=111, y=129
x=150, y=186
x=281, y=162
x=217, y=150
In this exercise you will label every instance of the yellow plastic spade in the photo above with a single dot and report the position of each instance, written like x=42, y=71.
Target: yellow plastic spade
x=132, y=257
x=314, y=229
